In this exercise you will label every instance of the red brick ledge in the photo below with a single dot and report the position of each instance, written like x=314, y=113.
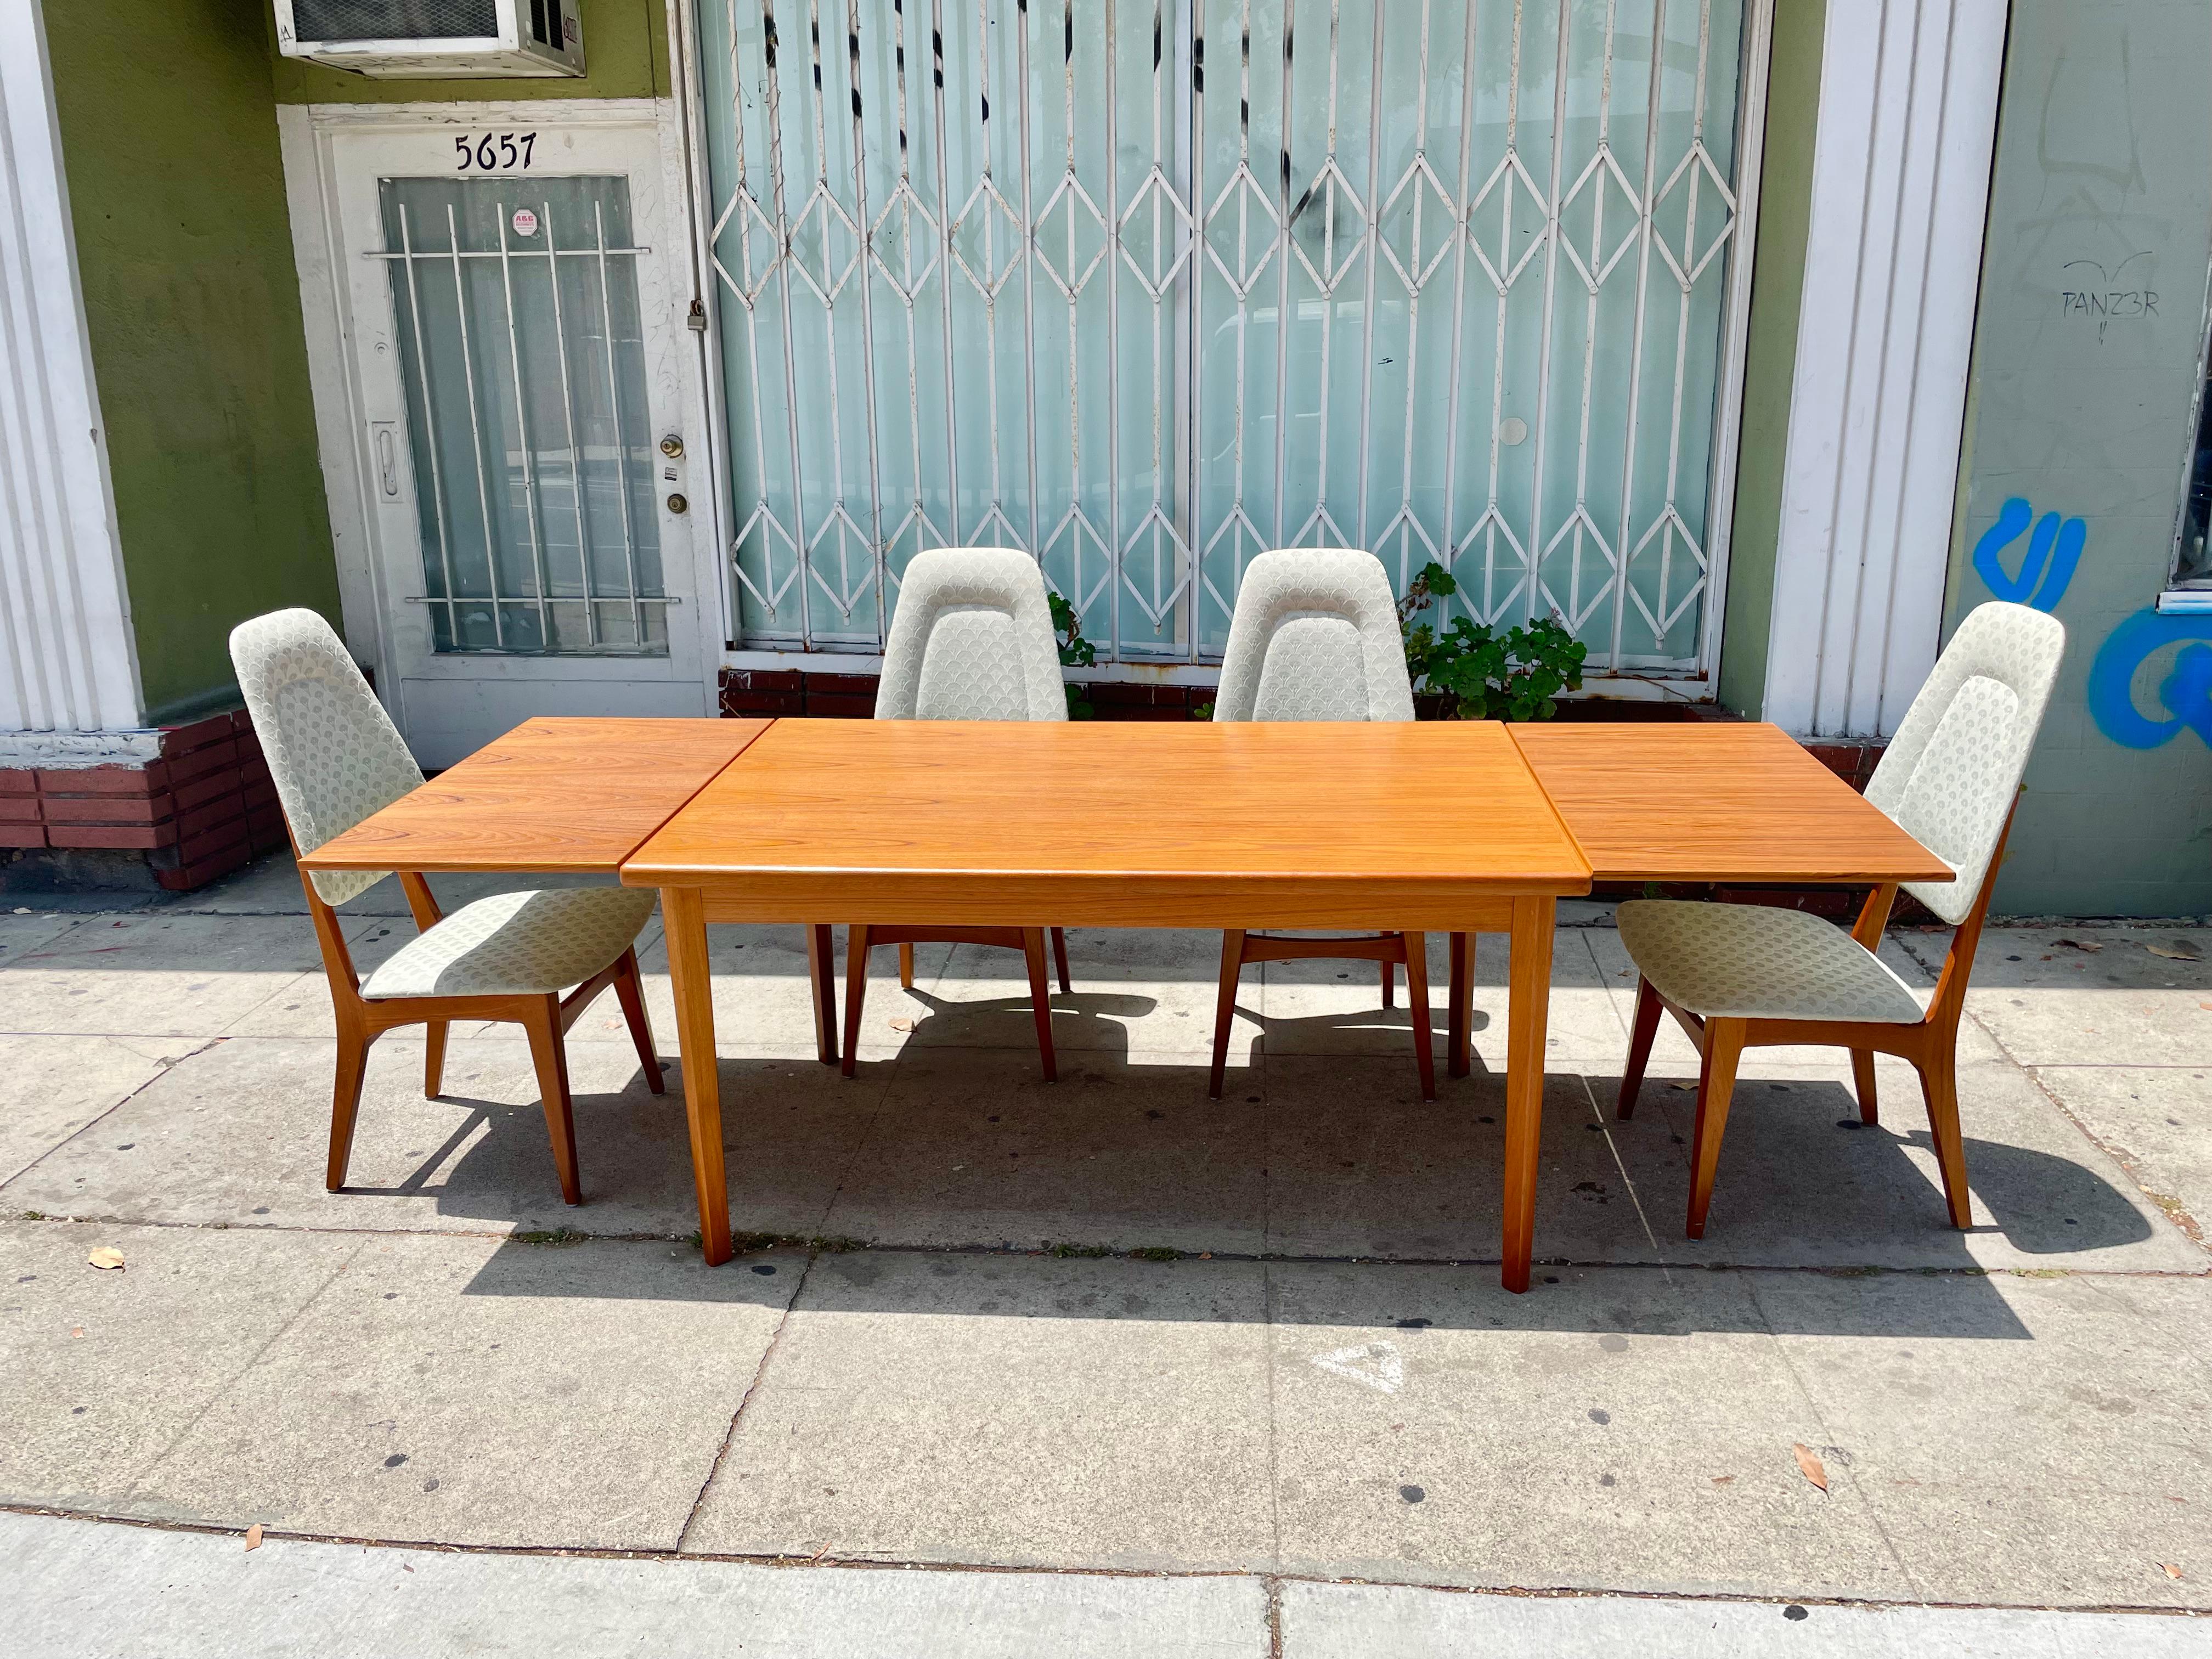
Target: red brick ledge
x=205, y=807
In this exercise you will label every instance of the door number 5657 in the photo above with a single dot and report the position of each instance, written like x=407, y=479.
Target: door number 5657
x=490, y=151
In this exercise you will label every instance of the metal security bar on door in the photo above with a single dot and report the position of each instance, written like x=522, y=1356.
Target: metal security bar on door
x=522, y=363
x=1146, y=288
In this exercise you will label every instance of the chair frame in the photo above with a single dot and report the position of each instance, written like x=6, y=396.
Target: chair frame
x=860, y=938
x=1392, y=951
x=1930, y=1044
x=546, y=1019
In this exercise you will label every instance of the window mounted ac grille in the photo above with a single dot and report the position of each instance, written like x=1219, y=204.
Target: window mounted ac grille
x=394, y=20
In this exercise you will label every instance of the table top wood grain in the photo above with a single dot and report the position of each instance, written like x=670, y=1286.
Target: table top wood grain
x=1715, y=801
x=575, y=796
x=1173, y=824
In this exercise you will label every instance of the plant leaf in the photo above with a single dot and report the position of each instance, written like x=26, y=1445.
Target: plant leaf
x=253, y=1536
x=106, y=1257
x=2171, y=955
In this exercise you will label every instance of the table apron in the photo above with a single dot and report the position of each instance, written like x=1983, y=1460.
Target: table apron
x=1099, y=902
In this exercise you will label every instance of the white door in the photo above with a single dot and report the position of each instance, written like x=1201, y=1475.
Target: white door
x=521, y=376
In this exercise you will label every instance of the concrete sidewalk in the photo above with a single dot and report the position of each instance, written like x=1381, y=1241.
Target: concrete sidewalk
x=1107, y=1326
x=88, y=1590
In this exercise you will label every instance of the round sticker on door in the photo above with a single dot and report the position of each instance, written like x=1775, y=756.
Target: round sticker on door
x=525, y=222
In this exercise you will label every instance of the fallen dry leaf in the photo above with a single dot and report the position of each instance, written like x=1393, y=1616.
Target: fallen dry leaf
x=253, y=1536
x=2171, y=955
x=2076, y=945
x=2206, y=1006
x=901, y=1024
x=1809, y=1461
x=2170, y=1570
x=106, y=1256
x=77, y=1330
x=1723, y=1480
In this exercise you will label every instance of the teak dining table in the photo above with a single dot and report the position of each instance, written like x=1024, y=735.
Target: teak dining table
x=1463, y=827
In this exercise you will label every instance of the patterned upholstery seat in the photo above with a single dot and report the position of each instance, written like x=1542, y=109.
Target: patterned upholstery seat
x=1753, y=962
x=337, y=758
x=517, y=944
x=971, y=640
x=1314, y=637
x=1739, y=976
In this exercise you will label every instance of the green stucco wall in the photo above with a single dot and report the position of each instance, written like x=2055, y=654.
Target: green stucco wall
x=2082, y=393
x=625, y=56
x=177, y=192
x=1778, y=280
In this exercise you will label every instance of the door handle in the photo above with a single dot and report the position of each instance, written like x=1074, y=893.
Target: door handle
x=386, y=439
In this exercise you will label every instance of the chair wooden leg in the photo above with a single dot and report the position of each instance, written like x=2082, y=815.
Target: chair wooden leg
x=1862, y=1084
x=1639, y=1047
x=1390, y=984
x=906, y=965
x=1060, y=961
x=551, y=1057
x=1224, y=1007
x=1041, y=998
x=856, y=989
x=821, y=976
x=631, y=994
x=434, y=1059
x=1417, y=1000
x=345, y=1103
x=1723, y=1048
x=1459, y=1019
x=1939, y=1082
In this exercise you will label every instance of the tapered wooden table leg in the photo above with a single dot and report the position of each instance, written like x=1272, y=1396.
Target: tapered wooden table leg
x=683, y=920
x=1527, y=1013
x=821, y=976
x=1459, y=1021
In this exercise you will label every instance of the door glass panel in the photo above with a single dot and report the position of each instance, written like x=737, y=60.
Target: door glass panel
x=1145, y=290
x=524, y=368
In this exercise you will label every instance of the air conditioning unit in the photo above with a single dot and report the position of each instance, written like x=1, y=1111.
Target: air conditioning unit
x=435, y=39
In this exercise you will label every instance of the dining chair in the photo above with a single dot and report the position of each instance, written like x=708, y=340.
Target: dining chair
x=336, y=758
x=1738, y=976
x=972, y=639
x=1314, y=636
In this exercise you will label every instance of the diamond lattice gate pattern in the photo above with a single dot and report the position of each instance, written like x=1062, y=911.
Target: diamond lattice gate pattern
x=1147, y=288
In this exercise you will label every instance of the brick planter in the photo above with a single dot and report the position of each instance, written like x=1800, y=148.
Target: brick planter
x=204, y=808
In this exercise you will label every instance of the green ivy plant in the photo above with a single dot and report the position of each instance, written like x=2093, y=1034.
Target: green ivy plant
x=1075, y=651
x=1479, y=674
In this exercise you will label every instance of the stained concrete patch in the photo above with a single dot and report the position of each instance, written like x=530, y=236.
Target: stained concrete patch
x=102, y=1370
x=2156, y=1120
x=79, y=1587
x=972, y=1146
x=52, y=1086
x=1369, y=1621
x=152, y=975
x=1014, y=1412
x=1358, y=1165
x=1803, y=1182
x=2095, y=996
x=1622, y=1428
x=2029, y=1441
x=240, y=1133
x=480, y=1391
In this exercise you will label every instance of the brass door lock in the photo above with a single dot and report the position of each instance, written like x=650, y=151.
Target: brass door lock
x=671, y=446
x=677, y=504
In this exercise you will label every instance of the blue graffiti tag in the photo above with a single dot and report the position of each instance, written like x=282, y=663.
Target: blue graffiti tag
x=2053, y=553
x=2186, y=691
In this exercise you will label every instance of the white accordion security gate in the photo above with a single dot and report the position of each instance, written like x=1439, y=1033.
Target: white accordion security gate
x=1144, y=289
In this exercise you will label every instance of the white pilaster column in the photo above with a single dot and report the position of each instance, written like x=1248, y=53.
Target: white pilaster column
x=68, y=660
x=1893, y=267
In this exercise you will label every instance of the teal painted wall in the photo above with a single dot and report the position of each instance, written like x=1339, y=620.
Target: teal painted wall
x=2085, y=357
x=177, y=195
x=1778, y=284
